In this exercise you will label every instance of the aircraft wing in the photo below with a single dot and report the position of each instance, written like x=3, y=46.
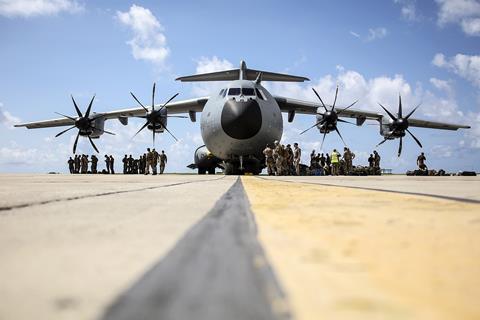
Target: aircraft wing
x=195, y=105
x=60, y=122
x=185, y=106
x=306, y=107
x=435, y=125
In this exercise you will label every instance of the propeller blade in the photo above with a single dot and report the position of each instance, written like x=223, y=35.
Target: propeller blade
x=59, y=134
x=336, y=129
x=415, y=138
x=346, y=108
x=316, y=124
x=138, y=101
x=382, y=142
x=411, y=112
x=386, y=138
x=87, y=114
x=76, y=108
x=400, y=147
x=68, y=117
x=335, y=101
x=169, y=132
x=143, y=127
x=318, y=96
x=341, y=120
x=153, y=97
x=153, y=133
x=399, y=106
x=103, y=131
x=388, y=112
x=323, y=139
x=93, y=144
x=173, y=97
x=184, y=117
x=75, y=143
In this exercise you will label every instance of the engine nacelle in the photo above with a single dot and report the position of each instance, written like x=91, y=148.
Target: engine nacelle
x=159, y=123
x=386, y=130
x=98, y=126
x=204, y=161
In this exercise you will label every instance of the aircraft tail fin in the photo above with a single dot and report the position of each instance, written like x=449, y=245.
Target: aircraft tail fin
x=243, y=73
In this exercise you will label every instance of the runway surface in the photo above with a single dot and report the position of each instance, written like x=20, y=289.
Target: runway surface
x=215, y=247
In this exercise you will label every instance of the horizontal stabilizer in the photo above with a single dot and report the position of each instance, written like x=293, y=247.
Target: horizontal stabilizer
x=243, y=73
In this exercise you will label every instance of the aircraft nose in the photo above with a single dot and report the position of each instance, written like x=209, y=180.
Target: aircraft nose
x=241, y=119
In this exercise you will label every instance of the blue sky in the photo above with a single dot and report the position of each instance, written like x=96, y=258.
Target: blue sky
x=429, y=51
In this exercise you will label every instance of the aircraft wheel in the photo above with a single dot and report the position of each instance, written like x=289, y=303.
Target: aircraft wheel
x=202, y=170
x=231, y=169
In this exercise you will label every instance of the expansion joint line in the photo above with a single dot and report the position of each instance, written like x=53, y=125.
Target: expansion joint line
x=38, y=203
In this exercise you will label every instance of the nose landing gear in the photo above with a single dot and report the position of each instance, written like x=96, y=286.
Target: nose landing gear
x=243, y=165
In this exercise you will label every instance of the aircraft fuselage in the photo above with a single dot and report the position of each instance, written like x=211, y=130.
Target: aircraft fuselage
x=240, y=120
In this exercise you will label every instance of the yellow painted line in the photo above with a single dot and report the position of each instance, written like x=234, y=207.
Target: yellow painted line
x=345, y=253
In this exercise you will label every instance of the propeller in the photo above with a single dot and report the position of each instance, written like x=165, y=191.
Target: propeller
x=399, y=125
x=83, y=123
x=155, y=117
x=330, y=117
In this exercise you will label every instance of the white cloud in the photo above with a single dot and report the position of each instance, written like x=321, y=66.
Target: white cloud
x=377, y=33
x=465, y=66
x=442, y=85
x=31, y=8
x=149, y=42
x=373, y=34
x=356, y=35
x=6, y=118
x=408, y=9
x=473, y=119
x=466, y=13
x=207, y=65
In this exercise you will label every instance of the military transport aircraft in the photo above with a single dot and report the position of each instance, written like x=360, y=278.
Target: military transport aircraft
x=239, y=121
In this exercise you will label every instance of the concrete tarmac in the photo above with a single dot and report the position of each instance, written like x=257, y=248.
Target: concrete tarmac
x=173, y=246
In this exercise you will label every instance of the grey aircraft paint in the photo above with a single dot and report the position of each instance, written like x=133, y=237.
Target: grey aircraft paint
x=237, y=124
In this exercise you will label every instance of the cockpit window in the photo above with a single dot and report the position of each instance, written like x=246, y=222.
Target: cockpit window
x=234, y=91
x=248, y=91
x=224, y=93
x=221, y=92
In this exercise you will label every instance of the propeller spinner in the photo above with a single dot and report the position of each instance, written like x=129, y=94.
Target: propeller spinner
x=155, y=117
x=399, y=125
x=330, y=117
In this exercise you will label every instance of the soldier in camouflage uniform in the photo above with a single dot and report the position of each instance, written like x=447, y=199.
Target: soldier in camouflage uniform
x=279, y=156
x=288, y=160
x=148, y=161
x=94, y=164
x=154, y=161
x=297, y=155
x=269, y=161
x=163, y=161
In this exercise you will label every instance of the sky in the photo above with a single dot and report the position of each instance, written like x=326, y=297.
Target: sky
x=427, y=51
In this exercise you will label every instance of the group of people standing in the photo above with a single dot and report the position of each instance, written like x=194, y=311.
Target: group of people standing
x=79, y=164
x=282, y=160
x=149, y=160
x=374, y=162
x=332, y=164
